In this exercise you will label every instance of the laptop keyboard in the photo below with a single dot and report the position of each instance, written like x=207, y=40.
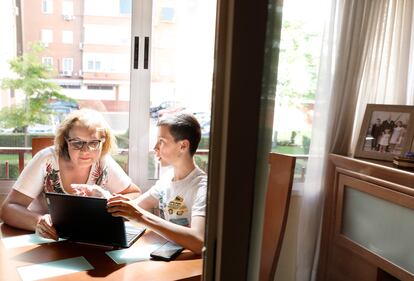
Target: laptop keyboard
x=131, y=233
x=130, y=236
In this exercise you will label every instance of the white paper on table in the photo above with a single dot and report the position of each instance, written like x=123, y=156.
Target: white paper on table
x=25, y=240
x=133, y=254
x=54, y=268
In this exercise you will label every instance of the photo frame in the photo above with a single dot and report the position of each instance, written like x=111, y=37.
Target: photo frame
x=386, y=131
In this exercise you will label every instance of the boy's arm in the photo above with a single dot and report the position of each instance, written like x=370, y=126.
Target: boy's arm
x=145, y=200
x=191, y=237
x=131, y=192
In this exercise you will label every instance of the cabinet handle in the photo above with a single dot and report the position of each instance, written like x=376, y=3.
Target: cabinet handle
x=146, y=51
x=136, y=51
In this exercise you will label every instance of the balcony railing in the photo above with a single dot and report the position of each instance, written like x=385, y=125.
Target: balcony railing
x=21, y=151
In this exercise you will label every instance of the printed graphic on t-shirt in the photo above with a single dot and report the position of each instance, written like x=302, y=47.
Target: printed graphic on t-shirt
x=180, y=221
x=176, y=211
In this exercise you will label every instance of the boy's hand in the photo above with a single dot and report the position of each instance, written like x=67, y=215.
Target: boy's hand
x=45, y=229
x=90, y=190
x=118, y=197
x=125, y=209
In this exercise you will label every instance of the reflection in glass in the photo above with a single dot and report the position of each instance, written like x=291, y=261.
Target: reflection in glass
x=382, y=227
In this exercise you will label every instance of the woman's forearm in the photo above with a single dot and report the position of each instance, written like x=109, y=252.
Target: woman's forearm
x=19, y=216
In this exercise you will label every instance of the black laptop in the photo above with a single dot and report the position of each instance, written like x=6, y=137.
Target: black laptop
x=85, y=219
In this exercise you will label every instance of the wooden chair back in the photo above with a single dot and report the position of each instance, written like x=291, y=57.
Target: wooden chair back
x=279, y=188
x=38, y=143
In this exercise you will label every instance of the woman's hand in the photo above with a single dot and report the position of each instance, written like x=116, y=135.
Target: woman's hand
x=125, y=209
x=44, y=228
x=90, y=190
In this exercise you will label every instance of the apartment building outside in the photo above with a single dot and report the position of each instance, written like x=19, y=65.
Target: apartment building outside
x=88, y=46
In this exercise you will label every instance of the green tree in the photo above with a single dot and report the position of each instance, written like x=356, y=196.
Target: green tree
x=31, y=77
x=298, y=63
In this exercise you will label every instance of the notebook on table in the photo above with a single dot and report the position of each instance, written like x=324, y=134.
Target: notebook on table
x=85, y=219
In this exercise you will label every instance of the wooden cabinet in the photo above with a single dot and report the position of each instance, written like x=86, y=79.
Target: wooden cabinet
x=368, y=223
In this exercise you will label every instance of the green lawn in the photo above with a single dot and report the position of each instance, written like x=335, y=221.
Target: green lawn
x=289, y=149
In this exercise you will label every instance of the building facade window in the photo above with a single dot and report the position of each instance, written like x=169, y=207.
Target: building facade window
x=111, y=35
x=167, y=14
x=67, y=65
x=100, y=87
x=48, y=61
x=101, y=62
x=107, y=7
x=76, y=87
x=67, y=8
x=94, y=65
x=67, y=37
x=46, y=36
x=125, y=7
x=47, y=6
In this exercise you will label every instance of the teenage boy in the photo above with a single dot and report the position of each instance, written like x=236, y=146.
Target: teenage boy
x=180, y=194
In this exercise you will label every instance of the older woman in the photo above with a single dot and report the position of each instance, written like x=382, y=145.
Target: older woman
x=79, y=163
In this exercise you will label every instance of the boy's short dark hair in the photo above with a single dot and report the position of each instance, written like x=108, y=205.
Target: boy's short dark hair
x=183, y=126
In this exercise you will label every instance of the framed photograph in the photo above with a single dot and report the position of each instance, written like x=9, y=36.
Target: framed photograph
x=386, y=131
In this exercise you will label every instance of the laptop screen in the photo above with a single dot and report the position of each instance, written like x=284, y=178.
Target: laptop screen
x=85, y=219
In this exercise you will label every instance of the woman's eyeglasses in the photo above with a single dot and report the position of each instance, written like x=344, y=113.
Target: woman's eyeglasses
x=80, y=144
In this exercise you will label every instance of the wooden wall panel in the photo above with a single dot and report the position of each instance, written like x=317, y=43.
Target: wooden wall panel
x=340, y=258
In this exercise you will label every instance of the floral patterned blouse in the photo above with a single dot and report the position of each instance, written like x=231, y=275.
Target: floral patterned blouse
x=52, y=183
x=42, y=175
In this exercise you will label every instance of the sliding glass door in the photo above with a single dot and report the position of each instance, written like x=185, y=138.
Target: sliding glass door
x=171, y=71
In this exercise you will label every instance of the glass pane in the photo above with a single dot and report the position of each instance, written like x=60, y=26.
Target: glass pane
x=93, y=71
x=182, y=66
x=380, y=226
x=300, y=46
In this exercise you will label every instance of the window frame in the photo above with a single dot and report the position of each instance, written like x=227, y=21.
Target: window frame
x=45, y=34
x=47, y=61
x=139, y=117
x=47, y=7
x=64, y=61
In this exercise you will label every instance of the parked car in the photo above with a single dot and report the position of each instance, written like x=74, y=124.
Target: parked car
x=205, y=128
x=202, y=116
x=59, y=108
x=166, y=107
x=41, y=129
x=6, y=130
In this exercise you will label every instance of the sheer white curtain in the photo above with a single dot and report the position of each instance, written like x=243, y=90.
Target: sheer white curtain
x=365, y=57
x=387, y=76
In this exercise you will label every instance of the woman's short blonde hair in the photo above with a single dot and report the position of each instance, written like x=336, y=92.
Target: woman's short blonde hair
x=89, y=119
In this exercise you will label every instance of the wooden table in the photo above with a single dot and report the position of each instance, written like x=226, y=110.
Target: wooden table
x=186, y=267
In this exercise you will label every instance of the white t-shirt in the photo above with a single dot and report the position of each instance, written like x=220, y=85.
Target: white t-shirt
x=181, y=200
x=42, y=175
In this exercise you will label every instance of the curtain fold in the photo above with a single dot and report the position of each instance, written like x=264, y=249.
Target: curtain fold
x=386, y=73
x=365, y=58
